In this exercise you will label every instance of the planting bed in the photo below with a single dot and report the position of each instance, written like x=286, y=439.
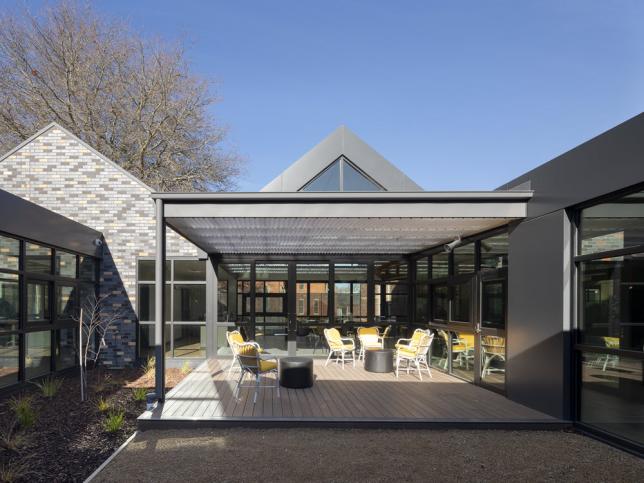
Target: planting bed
x=68, y=439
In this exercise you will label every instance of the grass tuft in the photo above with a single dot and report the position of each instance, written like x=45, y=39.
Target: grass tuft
x=10, y=438
x=139, y=393
x=49, y=386
x=114, y=421
x=102, y=405
x=24, y=411
x=149, y=365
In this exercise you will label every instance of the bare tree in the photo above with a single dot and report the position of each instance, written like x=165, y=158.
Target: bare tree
x=93, y=323
x=134, y=99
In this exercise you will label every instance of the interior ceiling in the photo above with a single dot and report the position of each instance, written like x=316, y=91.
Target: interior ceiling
x=325, y=236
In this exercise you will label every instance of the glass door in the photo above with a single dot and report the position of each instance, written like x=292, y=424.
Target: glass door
x=271, y=307
x=311, y=307
x=492, y=331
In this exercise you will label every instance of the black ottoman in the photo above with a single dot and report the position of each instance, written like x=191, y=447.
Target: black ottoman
x=379, y=360
x=296, y=372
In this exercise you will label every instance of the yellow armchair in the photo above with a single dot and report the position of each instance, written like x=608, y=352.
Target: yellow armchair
x=340, y=347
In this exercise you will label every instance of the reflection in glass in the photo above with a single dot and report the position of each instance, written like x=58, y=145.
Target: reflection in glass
x=391, y=301
x=37, y=359
x=65, y=302
x=493, y=360
x=147, y=271
x=190, y=270
x=9, y=350
x=351, y=301
x=422, y=270
x=614, y=225
x=355, y=180
x=327, y=180
x=493, y=304
x=440, y=265
x=611, y=395
x=146, y=340
x=38, y=258
x=87, y=268
x=494, y=252
x=65, y=348
x=440, y=302
x=189, y=340
x=461, y=307
x=463, y=355
x=9, y=253
x=439, y=356
x=464, y=259
x=189, y=303
x=147, y=297
x=9, y=302
x=65, y=264
x=612, y=300
x=421, y=302
x=350, y=272
x=237, y=306
x=38, y=301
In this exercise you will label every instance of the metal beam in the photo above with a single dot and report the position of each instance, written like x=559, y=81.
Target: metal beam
x=159, y=303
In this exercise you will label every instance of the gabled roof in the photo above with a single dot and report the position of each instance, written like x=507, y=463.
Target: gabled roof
x=80, y=141
x=342, y=142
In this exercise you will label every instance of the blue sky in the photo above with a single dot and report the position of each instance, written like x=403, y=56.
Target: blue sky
x=459, y=95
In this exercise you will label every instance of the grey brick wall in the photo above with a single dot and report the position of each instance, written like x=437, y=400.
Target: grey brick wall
x=57, y=171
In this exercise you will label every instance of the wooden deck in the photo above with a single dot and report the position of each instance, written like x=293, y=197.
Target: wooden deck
x=349, y=396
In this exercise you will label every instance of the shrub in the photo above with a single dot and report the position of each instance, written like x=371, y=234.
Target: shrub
x=10, y=438
x=114, y=421
x=149, y=365
x=139, y=393
x=102, y=405
x=49, y=386
x=23, y=408
x=185, y=368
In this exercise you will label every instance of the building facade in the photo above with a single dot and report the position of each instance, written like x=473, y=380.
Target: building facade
x=531, y=290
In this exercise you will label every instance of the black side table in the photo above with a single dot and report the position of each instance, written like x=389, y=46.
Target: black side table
x=296, y=372
x=379, y=360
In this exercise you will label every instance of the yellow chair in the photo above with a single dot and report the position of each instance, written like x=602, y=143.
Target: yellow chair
x=369, y=338
x=415, y=351
x=253, y=363
x=463, y=345
x=234, y=337
x=340, y=346
x=493, y=347
x=610, y=343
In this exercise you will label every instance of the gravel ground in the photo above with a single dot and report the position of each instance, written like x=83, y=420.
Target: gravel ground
x=307, y=455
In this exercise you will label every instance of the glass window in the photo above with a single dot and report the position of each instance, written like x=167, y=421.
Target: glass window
x=355, y=180
x=189, y=340
x=9, y=348
x=146, y=302
x=464, y=259
x=463, y=355
x=9, y=302
x=310, y=272
x=147, y=271
x=38, y=302
x=87, y=268
x=327, y=180
x=146, y=341
x=9, y=253
x=612, y=302
x=65, y=302
x=493, y=304
x=440, y=265
x=440, y=302
x=65, y=264
x=462, y=302
x=611, y=394
x=391, y=301
x=493, y=353
x=422, y=270
x=494, y=252
x=351, y=272
x=66, y=348
x=190, y=270
x=38, y=258
x=421, y=302
x=271, y=271
x=222, y=300
x=439, y=358
x=38, y=357
x=387, y=271
x=319, y=299
x=614, y=225
x=235, y=274
x=189, y=303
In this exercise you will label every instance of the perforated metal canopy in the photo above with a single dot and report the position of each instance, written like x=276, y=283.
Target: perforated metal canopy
x=335, y=223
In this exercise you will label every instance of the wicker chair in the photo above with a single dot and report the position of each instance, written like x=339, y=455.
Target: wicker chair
x=256, y=365
x=234, y=337
x=493, y=348
x=369, y=338
x=340, y=347
x=415, y=351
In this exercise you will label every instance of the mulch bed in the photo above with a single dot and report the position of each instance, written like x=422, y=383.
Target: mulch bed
x=68, y=440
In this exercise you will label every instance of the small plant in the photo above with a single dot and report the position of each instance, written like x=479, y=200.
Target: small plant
x=49, y=386
x=11, y=471
x=24, y=410
x=11, y=439
x=185, y=368
x=103, y=383
x=139, y=393
x=102, y=405
x=149, y=365
x=114, y=421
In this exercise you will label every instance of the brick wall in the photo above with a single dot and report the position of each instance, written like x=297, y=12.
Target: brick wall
x=59, y=172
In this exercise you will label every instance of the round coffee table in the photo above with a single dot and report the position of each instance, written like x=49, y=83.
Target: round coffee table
x=379, y=360
x=296, y=372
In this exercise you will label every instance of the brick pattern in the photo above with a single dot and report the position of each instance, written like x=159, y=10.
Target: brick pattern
x=55, y=170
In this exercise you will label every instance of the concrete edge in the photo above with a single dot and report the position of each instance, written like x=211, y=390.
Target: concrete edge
x=144, y=424
x=111, y=457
